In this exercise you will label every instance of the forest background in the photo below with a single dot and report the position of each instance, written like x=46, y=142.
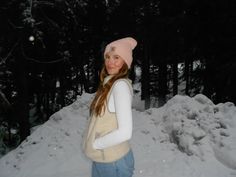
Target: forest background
x=51, y=51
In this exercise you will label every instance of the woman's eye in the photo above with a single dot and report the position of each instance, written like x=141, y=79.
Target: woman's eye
x=116, y=57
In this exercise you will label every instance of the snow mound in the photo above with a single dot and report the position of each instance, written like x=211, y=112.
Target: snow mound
x=54, y=145
x=187, y=137
x=189, y=121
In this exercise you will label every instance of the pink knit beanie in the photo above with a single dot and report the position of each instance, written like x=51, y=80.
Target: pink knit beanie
x=123, y=47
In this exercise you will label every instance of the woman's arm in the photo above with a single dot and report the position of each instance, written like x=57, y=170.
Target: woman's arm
x=122, y=101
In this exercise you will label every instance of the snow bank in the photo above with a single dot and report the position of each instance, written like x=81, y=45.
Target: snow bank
x=187, y=137
x=189, y=121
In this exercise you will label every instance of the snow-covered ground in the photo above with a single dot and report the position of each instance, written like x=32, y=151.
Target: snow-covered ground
x=187, y=137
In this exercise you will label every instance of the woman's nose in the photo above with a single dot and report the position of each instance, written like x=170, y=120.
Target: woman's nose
x=110, y=61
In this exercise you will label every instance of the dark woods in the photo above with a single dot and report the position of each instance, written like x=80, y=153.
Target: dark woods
x=51, y=51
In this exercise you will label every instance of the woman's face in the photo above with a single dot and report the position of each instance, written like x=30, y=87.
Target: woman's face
x=113, y=63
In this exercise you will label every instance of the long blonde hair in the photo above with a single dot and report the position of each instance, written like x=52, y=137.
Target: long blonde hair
x=98, y=104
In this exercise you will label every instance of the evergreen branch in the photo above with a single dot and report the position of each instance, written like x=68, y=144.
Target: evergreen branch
x=14, y=26
x=50, y=20
x=10, y=52
x=44, y=3
x=3, y=100
x=73, y=14
x=50, y=61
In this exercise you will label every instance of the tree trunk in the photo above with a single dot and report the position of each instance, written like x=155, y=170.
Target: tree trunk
x=186, y=73
x=145, y=79
x=7, y=111
x=39, y=103
x=22, y=107
x=175, y=78
x=162, y=83
x=207, y=81
x=62, y=89
x=190, y=74
x=83, y=78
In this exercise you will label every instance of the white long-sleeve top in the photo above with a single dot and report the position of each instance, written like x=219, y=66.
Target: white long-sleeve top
x=120, y=102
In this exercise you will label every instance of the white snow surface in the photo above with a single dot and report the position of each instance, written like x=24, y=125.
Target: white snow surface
x=187, y=137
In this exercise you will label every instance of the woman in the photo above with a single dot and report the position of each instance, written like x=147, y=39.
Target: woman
x=106, y=141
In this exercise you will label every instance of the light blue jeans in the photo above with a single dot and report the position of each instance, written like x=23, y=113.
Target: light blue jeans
x=123, y=167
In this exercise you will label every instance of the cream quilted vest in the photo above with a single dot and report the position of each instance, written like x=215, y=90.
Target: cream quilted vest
x=98, y=127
